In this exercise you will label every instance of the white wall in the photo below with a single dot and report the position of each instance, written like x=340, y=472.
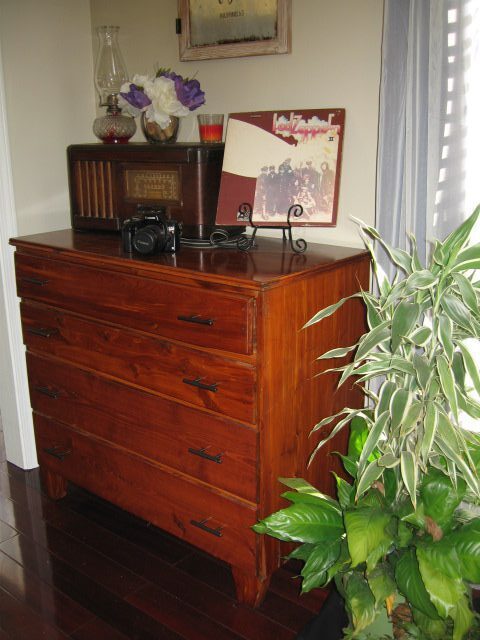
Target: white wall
x=335, y=62
x=46, y=103
x=48, y=69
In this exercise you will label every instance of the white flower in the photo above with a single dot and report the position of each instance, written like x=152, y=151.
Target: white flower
x=165, y=103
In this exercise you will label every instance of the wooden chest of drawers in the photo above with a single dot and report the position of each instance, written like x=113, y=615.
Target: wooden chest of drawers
x=181, y=387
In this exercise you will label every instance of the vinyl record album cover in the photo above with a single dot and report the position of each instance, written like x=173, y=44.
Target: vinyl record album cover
x=275, y=159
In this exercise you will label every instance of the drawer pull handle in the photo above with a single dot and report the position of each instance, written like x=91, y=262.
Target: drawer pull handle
x=42, y=331
x=57, y=452
x=202, y=453
x=201, y=385
x=38, y=281
x=201, y=525
x=51, y=393
x=196, y=319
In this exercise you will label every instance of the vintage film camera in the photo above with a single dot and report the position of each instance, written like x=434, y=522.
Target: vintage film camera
x=151, y=232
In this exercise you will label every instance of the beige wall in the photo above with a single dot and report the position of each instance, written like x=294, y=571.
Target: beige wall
x=335, y=62
x=48, y=71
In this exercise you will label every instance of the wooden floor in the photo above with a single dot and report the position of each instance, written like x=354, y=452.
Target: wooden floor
x=81, y=568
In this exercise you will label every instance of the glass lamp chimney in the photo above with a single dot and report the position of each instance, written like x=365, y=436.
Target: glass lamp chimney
x=110, y=69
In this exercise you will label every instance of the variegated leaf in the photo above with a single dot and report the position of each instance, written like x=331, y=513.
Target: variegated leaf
x=447, y=382
x=409, y=474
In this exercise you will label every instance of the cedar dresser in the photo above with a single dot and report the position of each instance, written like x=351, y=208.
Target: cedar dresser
x=182, y=386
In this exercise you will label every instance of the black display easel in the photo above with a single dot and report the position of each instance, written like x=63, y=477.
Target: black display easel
x=246, y=213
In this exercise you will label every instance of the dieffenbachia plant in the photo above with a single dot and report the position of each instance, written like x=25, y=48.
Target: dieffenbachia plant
x=405, y=529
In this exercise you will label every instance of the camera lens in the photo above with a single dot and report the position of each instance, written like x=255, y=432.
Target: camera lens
x=149, y=239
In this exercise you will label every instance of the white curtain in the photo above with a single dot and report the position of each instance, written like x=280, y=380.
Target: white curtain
x=428, y=155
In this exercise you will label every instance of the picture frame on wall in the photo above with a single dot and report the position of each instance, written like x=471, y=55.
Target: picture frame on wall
x=211, y=29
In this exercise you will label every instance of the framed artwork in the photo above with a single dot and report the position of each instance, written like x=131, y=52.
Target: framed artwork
x=233, y=28
x=276, y=159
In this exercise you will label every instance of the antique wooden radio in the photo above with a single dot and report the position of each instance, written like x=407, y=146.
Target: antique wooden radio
x=109, y=183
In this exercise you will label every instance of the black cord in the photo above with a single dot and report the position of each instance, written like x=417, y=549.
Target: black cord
x=220, y=238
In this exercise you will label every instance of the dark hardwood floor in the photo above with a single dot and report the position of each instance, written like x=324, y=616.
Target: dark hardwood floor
x=81, y=568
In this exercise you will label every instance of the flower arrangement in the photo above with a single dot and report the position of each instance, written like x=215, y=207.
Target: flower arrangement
x=166, y=94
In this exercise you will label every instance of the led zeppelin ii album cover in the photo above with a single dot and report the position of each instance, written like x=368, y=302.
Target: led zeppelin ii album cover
x=275, y=159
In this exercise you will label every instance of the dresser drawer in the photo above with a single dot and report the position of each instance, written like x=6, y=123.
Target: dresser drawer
x=213, y=449
x=220, y=384
x=189, y=314
x=211, y=521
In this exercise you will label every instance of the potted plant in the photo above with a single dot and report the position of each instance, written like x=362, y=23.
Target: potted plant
x=402, y=539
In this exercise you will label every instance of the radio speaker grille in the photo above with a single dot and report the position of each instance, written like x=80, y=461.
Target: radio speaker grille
x=94, y=188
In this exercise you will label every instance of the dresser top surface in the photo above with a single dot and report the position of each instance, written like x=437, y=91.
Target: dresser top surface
x=268, y=263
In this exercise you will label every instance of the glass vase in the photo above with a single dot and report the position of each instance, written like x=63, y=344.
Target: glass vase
x=155, y=134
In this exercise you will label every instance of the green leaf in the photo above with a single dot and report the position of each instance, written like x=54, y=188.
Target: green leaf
x=411, y=420
x=440, y=498
x=328, y=311
x=418, y=281
x=302, y=486
x=421, y=336
x=344, y=491
x=372, y=339
x=373, y=315
x=468, y=474
x=403, y=321
x=349, y=464
x=468, y=259
x=430, y=429
x=466, y=542
x=302, y=552
x=470, y=365
x=368, y=477
x=457, y=311
x=358, y=437
x=336, y=429
x=460, y=236
x=323, y=502
x=399, y=405
x=359, y=601
x=384, y=397
x=302, y=523
x=410, y=583
x=367, y=535
x=372, y=440
x=445, y=332
x=409, y=474
x=321, y=558
x=432, y=629
x=337, y=353
x=342, y=563
x=445, y=590
x=462, y=618
x=447, y=382
x=467, y=292
x=381, y=582
x=423, y=369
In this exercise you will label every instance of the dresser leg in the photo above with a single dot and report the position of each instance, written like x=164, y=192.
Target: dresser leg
x=250, y=589
x=55, y=485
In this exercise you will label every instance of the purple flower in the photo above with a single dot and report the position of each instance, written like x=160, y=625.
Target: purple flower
x=189, y=93
x=136, y=97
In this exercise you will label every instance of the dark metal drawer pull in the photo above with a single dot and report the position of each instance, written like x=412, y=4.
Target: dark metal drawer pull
x=201, y=525
x=51, y=393
x=196, y=319
x=201, y=385
x=42, y=331
x=202, y=453
x=38, y=281
x=57, y=452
